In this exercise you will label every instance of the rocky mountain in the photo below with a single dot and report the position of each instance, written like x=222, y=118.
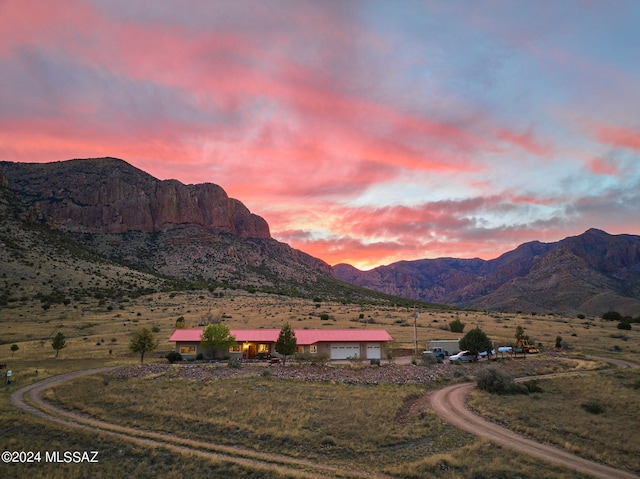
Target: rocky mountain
x=188, y=232
x=591, y=273
x=107, y=195
x=58, y=219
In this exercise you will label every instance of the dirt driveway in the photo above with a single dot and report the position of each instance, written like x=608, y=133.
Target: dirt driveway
x=450, y=404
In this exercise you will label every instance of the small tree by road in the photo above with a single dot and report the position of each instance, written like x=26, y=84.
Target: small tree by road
x=286, y=343
x=215, y=338
x=476, y=341
x=58, y=342
x=143, y=340
x=14, y=348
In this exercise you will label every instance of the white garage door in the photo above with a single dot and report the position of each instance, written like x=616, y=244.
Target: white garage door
x=345, y=350
x=373, y=351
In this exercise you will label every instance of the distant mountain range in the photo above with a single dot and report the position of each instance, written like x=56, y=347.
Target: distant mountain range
x=591, y=273
x=166, y=230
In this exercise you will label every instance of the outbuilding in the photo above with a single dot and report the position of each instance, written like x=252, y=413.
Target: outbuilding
x=333, y=344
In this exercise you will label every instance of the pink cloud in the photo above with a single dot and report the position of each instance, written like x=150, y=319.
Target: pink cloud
x=601, y=166
x=619, y=137
x=526, y=141
x=320, y=131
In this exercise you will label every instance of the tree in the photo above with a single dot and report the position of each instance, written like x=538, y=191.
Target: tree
x=143, y=340
x=520, y=333
x=216, y=337
x=456, y=326
x=286, y=343
x=626, y=325
x=476, y=341
x=180, y=323
x=58, y=342
x=14, y=348
x=612, y=316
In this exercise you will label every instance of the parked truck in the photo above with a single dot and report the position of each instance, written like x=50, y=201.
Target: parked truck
x=442, y=348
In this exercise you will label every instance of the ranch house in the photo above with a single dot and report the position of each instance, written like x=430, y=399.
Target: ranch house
x=260, y=343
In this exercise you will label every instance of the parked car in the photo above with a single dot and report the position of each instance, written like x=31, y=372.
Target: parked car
x=484, y=354
x=463, y=357
x=439, y=353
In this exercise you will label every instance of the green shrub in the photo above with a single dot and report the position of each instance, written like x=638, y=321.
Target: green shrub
x=593, y=407
x=328, y=441
x=456, y=326
x=313, y=359
x=494, y=381
x=626, y=325
x=199, y=357
x=428, y=359
x=234, y=363
x=532, y=386
x=173, y=356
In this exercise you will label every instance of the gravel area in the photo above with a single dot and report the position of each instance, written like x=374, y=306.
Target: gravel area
x=400, y=372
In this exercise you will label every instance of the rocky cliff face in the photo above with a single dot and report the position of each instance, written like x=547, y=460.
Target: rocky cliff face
x=189, y=232
x=107, y=195
x=590, y=273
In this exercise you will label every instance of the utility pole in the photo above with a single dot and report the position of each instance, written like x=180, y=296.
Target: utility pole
x=415, y=333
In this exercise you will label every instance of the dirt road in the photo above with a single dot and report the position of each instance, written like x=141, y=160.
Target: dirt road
x=449, y=403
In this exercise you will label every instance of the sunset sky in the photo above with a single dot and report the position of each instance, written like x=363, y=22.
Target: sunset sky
x=364, y=132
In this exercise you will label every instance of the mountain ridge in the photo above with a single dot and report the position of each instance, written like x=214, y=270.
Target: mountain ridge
x=196, y=233
x=590, y=273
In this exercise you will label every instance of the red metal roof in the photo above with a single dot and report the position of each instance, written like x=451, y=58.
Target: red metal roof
x=303, y=336
x=183, y=335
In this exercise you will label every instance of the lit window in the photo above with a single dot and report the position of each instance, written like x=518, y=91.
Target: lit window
x=263, y=348
x=313, y=349
x=234, y=349
x=299, y=349
x=187, y=350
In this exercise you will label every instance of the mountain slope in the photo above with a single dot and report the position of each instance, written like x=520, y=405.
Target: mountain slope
x=590, y=273
x=188, y=232
x=37, y=262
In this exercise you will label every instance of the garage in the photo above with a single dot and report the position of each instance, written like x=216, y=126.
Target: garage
x=345, y=350
x=373, y=351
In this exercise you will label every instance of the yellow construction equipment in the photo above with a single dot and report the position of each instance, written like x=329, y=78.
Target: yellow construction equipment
x=526, y=347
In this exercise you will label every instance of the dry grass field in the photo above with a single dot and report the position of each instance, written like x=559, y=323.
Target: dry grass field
x=101, y=329
x=353, y=426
